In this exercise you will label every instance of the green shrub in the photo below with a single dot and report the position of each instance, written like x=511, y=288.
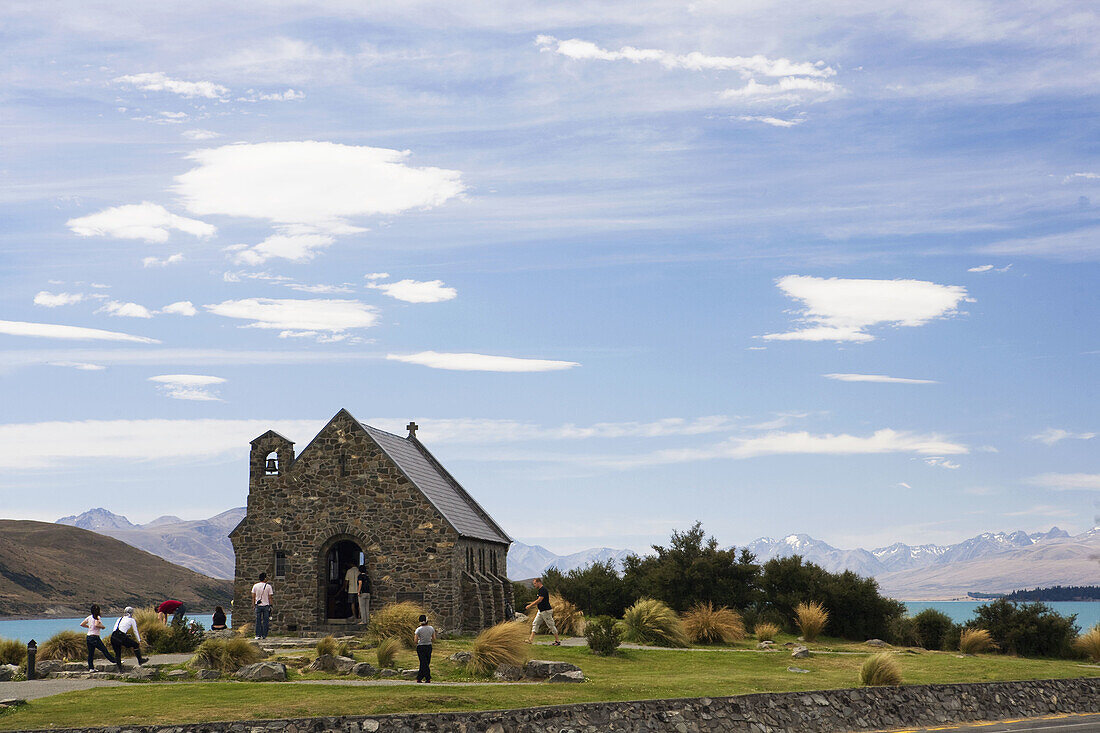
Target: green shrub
x=903, y=631
x=597, y=589
x=326, y=645
x=398, y=620
x=765, y=631
x=180, y=637
x=225, y=655
x=880, y=669
x=951, y=638
x=650, y=621
x=811, y=618
x=1088, y=644
x=387, y=652
x=706, y=624
x=522, y=594
x=1027, y=629
x=12, y=652
x=975, y=641
x=933, y=627
x=64, y=645
x=505, y=643
x=602, y=635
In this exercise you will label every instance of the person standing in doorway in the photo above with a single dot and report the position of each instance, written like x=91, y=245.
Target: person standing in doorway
x=545, y=614
x=262, y=593
x=120, y=637
x=351, y=585
x=425, y=635
x=94, y=626
x=364, y=594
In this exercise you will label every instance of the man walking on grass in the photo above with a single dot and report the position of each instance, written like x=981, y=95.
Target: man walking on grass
x=545, y=615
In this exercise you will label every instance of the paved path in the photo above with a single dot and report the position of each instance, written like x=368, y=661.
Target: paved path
x=1047, y=724
x=44, y=688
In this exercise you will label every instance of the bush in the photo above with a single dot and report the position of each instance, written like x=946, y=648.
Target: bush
x=64, y=645
x=1027, y=629
x=975, y=641
x=567, y=617
x=1088, y=644
x=903, y=631
x=765, y=631
x=225, y=655
x=597, y=589
x=180, y=637
x=522, y=594
x=951, y=638
x=933, y=627
x=326, y=645
x=602, y=635
x=12, y=652
x=706, y=624
x=398, y=620
x=880, y=669
x=505, y=643
x=387, y=652
x=650, y=621
x=811, y=618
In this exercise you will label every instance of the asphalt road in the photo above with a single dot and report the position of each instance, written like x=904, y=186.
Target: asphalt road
x=1049, y=724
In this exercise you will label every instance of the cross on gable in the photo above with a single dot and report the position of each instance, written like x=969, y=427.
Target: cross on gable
x=412, y=429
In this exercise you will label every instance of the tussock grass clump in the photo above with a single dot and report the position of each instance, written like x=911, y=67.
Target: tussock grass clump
x=975, y=641
x=880, y=669
x=1087, y=643
x=153, y=632
x=246, y=629
x=397, y=620
x=387, y=652
x=505, y=643
x=706, y=624
x=64, y=645
x=567, y=617
x=327, y=645
x=765, y=631
x=12, y=652
x=650, y=621
x=225, y=655
x=811, y=618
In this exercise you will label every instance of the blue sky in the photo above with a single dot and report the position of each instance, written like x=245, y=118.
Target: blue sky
x=824, y=267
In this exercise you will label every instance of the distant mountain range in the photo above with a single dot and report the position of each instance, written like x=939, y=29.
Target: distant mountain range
x=992, y=562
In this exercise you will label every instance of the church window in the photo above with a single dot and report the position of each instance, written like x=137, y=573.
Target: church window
x=280, y=563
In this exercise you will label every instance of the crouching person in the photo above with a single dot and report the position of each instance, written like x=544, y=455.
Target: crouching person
x=120, y=637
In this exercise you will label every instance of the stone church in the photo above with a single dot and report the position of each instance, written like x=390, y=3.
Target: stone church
x=359, y=495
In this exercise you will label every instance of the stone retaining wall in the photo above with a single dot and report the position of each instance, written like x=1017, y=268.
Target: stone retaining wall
x=789, y=712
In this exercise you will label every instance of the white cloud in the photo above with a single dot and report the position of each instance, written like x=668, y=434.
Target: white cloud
x=319, y=289
x=180, y=308
x=157, y=81
x=148, y=221
x=53, y=300
x=77, y=333
x=1081, y=177
x=195, y=387
x=288, y=96
x=941, y=462
x=773, y=121
x=481, y=362
x=293, y=247
x=877, y=378
x=82, y=366
x=326, y=320
x=787, y=88
x=747, y=65
x=1050, y=436
x=377, y=276
x=415, y=291
x=837, y=309
x=1067, y=481
x=981, y=268
x=489, y=431
x=125, y=310
x=200, y=134
x=316, y=184
x=165, y=262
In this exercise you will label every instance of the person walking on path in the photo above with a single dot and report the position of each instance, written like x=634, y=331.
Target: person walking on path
x=425, y=635
x=120, y=637
x=173, y=607
x=351, y=585
x=364, y=594
x=94, y=626
x=261, y=599
x=545, y=614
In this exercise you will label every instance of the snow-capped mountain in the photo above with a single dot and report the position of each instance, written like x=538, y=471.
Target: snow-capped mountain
x=97, y=520
x=529, y=561
x=832, y=559
x=900, y=556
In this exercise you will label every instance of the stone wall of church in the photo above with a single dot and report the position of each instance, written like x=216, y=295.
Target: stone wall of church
x=343, y=486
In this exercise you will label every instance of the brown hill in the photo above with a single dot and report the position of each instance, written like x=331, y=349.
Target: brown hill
x=56, y=569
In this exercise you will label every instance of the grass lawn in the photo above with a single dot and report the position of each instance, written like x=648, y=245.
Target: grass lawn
x=629, y=675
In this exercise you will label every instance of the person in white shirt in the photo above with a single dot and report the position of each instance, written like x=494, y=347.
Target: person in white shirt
x=351, y=583
x=120, y=637
x=424, y=635
x=261, y=599
x=94, y=626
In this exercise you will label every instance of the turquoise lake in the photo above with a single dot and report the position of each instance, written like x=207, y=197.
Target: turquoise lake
x=41, y=629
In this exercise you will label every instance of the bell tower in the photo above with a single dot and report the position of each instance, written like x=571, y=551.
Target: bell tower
x=271, y=455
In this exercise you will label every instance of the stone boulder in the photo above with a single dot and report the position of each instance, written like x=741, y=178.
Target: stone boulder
x=263, y=672
x=207, y=674
x=332, y=663
x=574, y=675
x=508, y=673
x=143, y=673
x=540, y=669
x=220, y=634
x=765, y=645
x=7, y=671
x=876, y=642
x=74, y=667
x=461, y=657
x=410, y=674
x=47, y=666
x=176, y=675
x=108, y=667
x=364, y=669
x=800, y=652
x=387, y=672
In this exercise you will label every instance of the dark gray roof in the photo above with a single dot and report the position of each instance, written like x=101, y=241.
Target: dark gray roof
x=440, y=488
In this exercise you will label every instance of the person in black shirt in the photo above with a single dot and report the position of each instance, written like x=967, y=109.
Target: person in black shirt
x=545, y=615
x=217, y=623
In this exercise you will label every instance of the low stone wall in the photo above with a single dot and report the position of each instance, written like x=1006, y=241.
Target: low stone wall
x=790, y=712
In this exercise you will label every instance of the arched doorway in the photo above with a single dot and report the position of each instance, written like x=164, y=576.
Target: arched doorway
x=341, y=556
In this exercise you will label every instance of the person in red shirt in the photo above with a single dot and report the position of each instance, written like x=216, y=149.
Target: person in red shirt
x=176, y=608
